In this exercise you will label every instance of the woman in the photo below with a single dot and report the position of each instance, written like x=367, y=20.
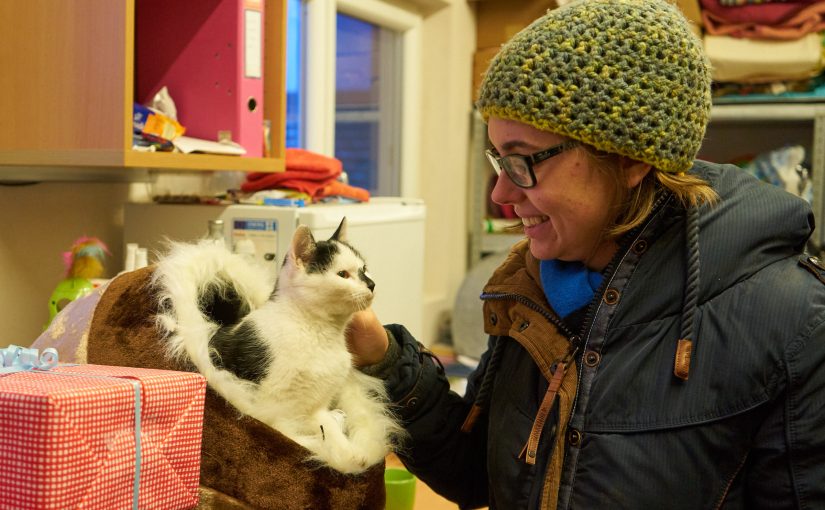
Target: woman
x=656, y=341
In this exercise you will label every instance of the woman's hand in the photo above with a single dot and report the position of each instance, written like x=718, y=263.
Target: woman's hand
x=366, y=338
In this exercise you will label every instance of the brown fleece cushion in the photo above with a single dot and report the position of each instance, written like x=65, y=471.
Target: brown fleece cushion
x=244, y=463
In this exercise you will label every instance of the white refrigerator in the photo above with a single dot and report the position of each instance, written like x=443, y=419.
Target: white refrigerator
x=387, y=231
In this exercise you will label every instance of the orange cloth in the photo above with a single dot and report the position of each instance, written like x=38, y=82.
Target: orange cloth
x=307, y=172
x=339, y=189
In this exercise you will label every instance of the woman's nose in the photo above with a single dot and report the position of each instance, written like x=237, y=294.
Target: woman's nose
x=505, y=192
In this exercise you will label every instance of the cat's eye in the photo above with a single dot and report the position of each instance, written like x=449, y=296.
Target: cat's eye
x=343, y=274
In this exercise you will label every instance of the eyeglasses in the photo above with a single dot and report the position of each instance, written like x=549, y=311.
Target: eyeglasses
x=519, y=168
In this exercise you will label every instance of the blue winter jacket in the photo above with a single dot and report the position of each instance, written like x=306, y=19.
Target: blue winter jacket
x=745, y=430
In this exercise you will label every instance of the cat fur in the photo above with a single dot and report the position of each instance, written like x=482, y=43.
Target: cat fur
x=304, y=384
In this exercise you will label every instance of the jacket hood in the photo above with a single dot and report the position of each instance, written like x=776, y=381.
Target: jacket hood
x=753, y=224
x=698, y=254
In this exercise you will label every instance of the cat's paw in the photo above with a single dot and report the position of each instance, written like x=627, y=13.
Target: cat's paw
x=348, y=462
x=340, y=417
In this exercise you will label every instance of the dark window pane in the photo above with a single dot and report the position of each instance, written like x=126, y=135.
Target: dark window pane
x=357, y=100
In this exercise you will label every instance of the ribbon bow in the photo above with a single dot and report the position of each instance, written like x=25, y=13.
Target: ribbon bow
x=18, y=359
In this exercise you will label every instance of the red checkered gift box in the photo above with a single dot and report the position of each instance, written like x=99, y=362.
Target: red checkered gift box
x=100, y=437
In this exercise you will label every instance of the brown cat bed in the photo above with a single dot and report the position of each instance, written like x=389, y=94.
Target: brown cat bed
x=244, y=463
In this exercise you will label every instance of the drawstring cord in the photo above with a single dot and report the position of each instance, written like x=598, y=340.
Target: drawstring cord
x=684, y=346
x=482, y=397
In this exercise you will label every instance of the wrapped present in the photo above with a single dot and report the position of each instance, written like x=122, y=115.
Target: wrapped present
x=96, y=436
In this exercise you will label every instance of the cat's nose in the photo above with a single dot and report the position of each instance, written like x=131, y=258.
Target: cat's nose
x=366, y=279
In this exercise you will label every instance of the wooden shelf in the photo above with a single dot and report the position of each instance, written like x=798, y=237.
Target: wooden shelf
x=790, y=111
x=68, y=88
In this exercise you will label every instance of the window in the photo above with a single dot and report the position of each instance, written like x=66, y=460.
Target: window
x=294, y=73
x=364, y=119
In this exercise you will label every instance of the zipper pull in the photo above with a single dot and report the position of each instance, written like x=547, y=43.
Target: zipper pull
x=530, y=449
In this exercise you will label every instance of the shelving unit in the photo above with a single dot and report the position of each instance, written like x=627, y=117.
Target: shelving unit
x=67, y=86
x=737, y=129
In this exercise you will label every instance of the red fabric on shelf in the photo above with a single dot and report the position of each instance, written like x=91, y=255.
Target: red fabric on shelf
x=305, y=171
x=763, y=21
x=770, y=14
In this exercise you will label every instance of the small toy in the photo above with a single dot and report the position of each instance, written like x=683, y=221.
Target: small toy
x=84, y=267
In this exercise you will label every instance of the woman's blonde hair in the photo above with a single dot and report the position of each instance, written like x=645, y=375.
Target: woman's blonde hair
x=635, y=204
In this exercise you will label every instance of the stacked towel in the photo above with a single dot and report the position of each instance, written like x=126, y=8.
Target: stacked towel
x=764, y=41
x=307, y=172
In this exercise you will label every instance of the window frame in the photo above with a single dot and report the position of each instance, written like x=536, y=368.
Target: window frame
x=319, y=73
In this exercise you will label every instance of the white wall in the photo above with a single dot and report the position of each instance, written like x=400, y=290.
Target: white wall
x=40, y=221
x=37, y=224
x=449, y=42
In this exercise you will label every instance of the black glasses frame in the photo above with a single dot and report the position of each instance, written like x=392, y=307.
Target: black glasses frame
x=507, y=163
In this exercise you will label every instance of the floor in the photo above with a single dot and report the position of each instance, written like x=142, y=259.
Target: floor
x=425, y=498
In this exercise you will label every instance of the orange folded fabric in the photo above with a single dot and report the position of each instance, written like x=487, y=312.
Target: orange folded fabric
x=339, y=189
x=306, y=171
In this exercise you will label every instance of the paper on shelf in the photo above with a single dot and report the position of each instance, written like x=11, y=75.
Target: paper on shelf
x=187, y=145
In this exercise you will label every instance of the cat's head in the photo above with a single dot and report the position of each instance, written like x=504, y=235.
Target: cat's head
x=331, y=273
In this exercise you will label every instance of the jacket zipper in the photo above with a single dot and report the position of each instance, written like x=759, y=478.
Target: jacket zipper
x=560, y=369
x=502, y=296
x=629, y=240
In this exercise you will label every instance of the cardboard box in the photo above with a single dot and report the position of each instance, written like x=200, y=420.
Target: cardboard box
x=68, y=438
x=481, y=59
x=499, y=20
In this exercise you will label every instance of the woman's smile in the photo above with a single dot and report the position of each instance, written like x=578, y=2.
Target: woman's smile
x=531, y=221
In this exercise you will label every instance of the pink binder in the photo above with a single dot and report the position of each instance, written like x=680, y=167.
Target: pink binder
x=209, y=54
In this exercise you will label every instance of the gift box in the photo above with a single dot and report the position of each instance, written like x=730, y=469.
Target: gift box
x=95, y=436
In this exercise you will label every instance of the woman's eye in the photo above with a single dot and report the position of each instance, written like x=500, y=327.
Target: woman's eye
x=343, y=274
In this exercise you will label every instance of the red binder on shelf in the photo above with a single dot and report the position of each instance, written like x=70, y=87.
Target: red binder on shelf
x=209, y=54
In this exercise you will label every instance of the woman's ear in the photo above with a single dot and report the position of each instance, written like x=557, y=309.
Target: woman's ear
x=634, y=171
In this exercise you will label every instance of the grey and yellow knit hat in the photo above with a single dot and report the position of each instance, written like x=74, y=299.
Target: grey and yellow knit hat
x=626, y=76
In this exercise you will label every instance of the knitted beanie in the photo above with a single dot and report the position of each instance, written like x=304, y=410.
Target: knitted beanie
x=625, y=76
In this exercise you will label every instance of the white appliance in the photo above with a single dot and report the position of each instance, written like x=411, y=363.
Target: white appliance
x=388, y=232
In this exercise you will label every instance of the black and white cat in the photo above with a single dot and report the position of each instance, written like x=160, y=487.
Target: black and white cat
x=282, y=359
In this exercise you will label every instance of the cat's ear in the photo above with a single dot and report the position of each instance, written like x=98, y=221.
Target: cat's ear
x=340, y=234
x=303, y=245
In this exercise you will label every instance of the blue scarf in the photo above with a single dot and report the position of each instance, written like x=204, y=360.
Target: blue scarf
x=568, y=285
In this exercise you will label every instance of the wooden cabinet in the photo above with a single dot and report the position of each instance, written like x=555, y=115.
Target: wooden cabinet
x=67, y=88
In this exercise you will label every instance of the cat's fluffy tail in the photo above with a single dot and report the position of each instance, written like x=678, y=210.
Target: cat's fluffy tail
x=201, y=287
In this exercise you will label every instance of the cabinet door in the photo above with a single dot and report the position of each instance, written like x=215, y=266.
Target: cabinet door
x=67, y=88
x=64, y=81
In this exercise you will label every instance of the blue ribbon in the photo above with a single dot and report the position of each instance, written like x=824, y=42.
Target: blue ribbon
x=19, y=359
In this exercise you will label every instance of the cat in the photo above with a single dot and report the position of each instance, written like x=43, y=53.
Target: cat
x=284, y=361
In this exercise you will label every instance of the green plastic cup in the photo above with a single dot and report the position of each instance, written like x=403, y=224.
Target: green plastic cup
x=400, y=485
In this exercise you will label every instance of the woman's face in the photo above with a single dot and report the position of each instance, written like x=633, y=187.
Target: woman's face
x=566, y=213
